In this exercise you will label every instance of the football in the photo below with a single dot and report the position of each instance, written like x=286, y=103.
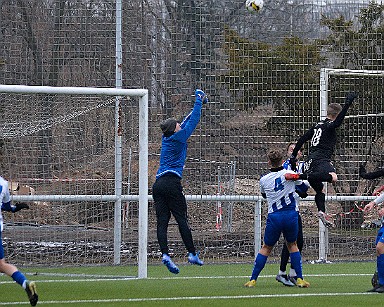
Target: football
x=254, y=6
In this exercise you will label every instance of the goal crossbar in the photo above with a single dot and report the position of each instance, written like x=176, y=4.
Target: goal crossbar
x=27, y=89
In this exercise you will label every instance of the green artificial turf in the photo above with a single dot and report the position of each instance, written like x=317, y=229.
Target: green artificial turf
x=335, y=284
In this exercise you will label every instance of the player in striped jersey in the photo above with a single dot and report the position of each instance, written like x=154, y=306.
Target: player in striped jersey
x=7, y=268
x=282, y=216
x=379, y=243
x=378, y=277
x=290, y=279
x=318, y=166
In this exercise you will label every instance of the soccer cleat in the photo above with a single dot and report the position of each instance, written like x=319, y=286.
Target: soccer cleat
x=293, y=279
x=250, y=284
x=284, y=280
x=326, y=219
x=375, y=279
x=194, y=259
x=170, y=265
x=290, y=176
x=31, y=292
x=301, y=283
x=379, y=289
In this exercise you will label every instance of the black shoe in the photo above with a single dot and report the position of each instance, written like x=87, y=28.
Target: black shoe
x=31, y=292
x=375, y=279
x=378, y=289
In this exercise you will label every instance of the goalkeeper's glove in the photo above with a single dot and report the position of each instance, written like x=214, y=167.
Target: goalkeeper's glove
x=292, y=162
x=350, y=97
x=201, y=96
x=20, y=206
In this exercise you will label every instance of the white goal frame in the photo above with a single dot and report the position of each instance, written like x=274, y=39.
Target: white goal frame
x=325, y=73
x=143, y=163
x=143, y=198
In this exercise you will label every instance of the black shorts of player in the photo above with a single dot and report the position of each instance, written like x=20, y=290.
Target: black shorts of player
x=318, y=166
x=168, y=197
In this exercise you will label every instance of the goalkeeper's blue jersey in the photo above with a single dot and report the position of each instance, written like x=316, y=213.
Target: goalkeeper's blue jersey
x=174, y=148
x=280, y=193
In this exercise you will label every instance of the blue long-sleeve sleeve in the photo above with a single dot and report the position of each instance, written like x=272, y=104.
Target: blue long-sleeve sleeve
x=189, y=123
x=174, y=148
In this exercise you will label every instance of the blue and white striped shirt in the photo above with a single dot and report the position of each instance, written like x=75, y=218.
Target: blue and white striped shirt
x=5, y=199
x=280, y=193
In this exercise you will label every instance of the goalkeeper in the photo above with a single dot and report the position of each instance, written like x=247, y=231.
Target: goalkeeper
x=167, y=190
x=6, y=268
x=318, y=167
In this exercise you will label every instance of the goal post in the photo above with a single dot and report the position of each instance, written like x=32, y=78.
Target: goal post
x=360, y=124
x=142, y=197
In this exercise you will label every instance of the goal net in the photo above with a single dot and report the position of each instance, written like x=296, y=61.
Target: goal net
x=61, y=151
x=360, y=142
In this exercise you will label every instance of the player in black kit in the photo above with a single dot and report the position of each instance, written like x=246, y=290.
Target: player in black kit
x=318, y=167
x=372, y=175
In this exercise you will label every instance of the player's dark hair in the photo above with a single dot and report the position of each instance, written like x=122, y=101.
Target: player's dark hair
x=289, y=144
x=292, y=143
x=333, y=109
x=275, y=156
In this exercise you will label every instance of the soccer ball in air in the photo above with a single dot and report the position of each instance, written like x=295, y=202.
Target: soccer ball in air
x=254, y=5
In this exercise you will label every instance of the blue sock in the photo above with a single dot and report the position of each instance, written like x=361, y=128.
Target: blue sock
x=380, y=269
x=259, y=265
x=19, y=277
x=296, y=264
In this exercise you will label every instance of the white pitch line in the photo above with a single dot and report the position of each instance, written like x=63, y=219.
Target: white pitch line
x=175, y=278
x=261, y=276
x=189, y=298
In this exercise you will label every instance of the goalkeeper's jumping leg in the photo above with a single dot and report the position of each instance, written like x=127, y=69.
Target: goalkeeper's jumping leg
x=171, y=266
